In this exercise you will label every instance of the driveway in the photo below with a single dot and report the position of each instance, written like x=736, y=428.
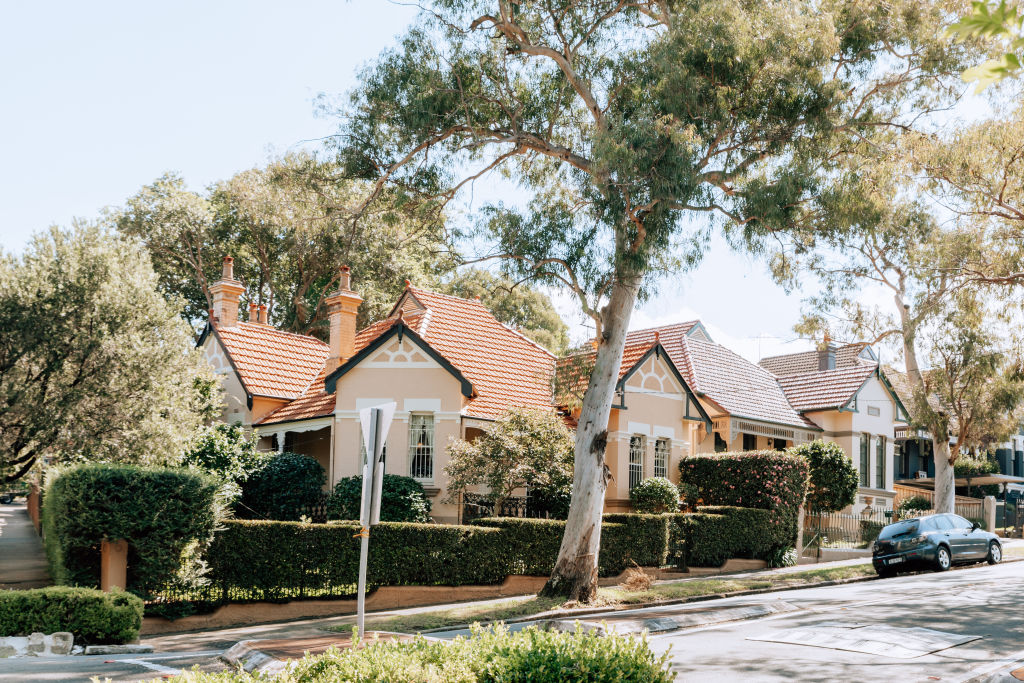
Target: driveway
x=22, y=560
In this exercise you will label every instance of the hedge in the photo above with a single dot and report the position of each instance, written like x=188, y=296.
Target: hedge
x=488, y=656
x=161, y=512
x=91, y=615
x=284, y=487
x=402, y=499
x=767, y=480
x=717, y=533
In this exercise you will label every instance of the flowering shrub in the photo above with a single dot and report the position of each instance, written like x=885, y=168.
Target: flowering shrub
x=654, y=495
x=768, y=480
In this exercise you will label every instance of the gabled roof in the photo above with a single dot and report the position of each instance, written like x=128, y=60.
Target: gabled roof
x=847, y=356
x=826, y=389
x=270, y=362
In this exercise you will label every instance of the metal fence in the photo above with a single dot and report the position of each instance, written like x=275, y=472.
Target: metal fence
x=476, y=505
x=839, y=530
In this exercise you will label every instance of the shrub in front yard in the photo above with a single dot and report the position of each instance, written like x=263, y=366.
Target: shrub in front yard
x=654, y=495
x=718, y=533
x=913, y=507
x=91, y=615
x=285, y=485
x=833, y=478
x=767, y=480
x=402, y=500
x=490, y=655
x=161, y=512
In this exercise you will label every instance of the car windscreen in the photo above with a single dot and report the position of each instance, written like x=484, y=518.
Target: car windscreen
x=908, y=526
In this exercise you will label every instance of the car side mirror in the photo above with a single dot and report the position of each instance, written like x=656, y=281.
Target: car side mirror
x=975, y=526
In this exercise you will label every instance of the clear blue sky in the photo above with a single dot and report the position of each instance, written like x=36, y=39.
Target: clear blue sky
x=101, y=98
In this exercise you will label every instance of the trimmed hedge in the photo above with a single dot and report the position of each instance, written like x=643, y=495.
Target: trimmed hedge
x=767, y=480
x=277, y=561
x=91, y=615
x=654, y=495
x=161, y=512
x=282, y=488
x=717, y=533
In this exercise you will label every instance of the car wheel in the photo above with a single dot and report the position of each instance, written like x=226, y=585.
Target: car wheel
x=6, y=499
x=942, y=559
x=995, y=553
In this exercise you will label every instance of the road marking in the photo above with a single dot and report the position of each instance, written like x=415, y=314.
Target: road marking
x=151, y=666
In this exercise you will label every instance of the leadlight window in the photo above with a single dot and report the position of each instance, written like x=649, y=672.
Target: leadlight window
x=421, y=445
x=865, y=445
x=637, y=446
x=661, y=451
x=880, y=462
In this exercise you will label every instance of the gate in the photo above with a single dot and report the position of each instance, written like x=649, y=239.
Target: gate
x=840, y=531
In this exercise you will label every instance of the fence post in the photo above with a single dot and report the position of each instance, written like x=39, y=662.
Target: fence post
x=988, y=507
x=799, y=533
x=113, y=565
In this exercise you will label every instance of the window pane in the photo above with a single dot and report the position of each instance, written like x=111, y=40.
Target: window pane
x=749, y=442
x=880, y=463
x=942, y=523
x=421, y=446
x=637, y=446
x=661, y=450
x=865, y=441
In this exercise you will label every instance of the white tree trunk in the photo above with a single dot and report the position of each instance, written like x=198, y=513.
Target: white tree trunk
x=575, y=572
x=945, y=489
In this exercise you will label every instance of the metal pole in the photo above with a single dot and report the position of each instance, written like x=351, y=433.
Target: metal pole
x=364, y=552
x=364, y=541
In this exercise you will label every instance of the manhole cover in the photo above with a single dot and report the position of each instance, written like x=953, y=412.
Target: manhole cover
x=886, y=641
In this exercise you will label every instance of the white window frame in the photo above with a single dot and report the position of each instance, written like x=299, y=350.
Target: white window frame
x=637, y=450
x=662, y=451
x=419, y=450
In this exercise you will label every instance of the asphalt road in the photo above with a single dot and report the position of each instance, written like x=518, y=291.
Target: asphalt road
x=978, y=601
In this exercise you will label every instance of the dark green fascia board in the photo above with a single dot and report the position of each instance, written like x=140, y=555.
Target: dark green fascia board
x=401, y=330
x=659, y=351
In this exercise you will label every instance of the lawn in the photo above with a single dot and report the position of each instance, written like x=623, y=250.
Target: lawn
x=607, y=597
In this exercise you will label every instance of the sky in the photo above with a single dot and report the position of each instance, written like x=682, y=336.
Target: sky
x=99, y=99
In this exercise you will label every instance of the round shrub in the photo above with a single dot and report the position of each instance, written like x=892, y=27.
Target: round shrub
x=911, y=507
x=161, y=512
x=402, y=499
x=91, y=615
x=654, y=495
x=833, y=480
x=284, y=488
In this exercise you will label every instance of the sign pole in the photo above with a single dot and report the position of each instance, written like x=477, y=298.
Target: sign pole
x=375, y=424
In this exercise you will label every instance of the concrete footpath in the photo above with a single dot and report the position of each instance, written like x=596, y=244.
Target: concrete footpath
x=22, y=560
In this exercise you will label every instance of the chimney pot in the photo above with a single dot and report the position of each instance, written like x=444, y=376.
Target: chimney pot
x=262, y=314
x=225, y=294
x=346, y=279
x=253, y=313
x=228, y=269
x=342, y=307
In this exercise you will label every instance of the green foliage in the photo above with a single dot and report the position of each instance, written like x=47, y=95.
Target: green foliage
x=402, y=500
x=523, y=448
x=767, y=480
x=869, y=530
x=654, y=495
x=975, y=467
x=164, y=514
x=518, y=305
x=1003, y=22
x=833, y=480
x=96, y=364
x=491, y=655
x=91, y=615
x=285, y=485
x=717, y=533
x=910, y=507
x=227, y=451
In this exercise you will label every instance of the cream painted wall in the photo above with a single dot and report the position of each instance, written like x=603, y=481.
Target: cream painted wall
x=235, y=408
x=402, y=373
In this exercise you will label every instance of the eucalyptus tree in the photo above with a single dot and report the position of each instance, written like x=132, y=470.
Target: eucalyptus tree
x=631, y=128
x=1002, y=24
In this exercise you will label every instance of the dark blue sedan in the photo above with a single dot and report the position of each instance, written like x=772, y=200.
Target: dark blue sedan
x=936, y=541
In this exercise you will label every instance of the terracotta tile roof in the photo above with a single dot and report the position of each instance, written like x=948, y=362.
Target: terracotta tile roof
x=847, y=355
x=314, y=403
x=506, y=368
x=271, y=362
x=900, y=384
x=739, y=387
x=825, y=389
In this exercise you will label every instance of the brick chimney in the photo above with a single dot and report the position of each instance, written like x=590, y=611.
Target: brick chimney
x=342, y=307
x=226, y=292
x=827, y=354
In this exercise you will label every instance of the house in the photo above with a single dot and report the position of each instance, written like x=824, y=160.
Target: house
x=844, y=391
x=450, y=366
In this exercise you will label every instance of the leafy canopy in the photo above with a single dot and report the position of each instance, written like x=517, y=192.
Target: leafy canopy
x=522, y=448
x=94, y=363
x=1002, y=24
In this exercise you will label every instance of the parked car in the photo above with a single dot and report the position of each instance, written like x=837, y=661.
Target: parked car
x=6, y=497
x=936, y=541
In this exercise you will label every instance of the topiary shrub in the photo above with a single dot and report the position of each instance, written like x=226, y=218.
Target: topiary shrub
x=91, y=615
x=163, y=514
x=402, y=499
x=767, y=480
x=654, y=495
x=833, y=478
x=283, y=489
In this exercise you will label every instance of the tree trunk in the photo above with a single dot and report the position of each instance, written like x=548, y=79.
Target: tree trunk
x=945, y=490
x=575, y=572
